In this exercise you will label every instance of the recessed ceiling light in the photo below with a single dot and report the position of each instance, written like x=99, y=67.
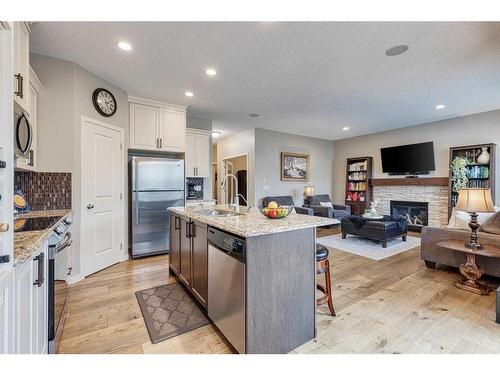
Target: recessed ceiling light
x=216, y=133
x=345, y=128
x=440, y=106
x=189, y=94
x=254, y=115
x=125, y=46
x=397, y=50
x=210, y=72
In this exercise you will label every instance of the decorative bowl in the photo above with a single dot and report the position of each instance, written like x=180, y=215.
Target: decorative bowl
x=276, y=213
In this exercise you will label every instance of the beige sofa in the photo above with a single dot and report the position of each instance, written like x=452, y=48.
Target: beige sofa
x=432, y=254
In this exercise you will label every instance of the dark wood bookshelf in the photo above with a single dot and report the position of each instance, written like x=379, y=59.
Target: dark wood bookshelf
x=484, y=181
x=358, y=190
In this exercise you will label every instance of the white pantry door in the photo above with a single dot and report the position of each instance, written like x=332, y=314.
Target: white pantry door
x=102, y=195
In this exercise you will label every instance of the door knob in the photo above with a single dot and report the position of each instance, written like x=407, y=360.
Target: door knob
x=4, y=227
x=90, y=206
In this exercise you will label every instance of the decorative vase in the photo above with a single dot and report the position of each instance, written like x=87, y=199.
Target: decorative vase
x=484, y=158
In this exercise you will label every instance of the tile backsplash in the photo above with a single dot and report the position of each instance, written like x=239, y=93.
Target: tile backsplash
x=45, y=190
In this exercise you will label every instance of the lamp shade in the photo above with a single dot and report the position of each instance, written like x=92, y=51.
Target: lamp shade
x=308, y=190
x=475, y=200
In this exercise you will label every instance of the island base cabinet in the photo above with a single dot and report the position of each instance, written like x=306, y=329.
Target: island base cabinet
x=188, y=258
x=175, y=244
x=185, y=252
x=200, y=262
x=280, y=291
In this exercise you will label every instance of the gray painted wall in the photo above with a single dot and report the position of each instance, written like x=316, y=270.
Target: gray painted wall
x=268, y=147
x=462, y=131
x=65, y=97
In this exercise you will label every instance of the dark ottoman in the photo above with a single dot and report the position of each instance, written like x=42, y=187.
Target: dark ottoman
x=377, y=230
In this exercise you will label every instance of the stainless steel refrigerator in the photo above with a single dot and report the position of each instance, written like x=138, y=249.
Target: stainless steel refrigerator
x=156, y=184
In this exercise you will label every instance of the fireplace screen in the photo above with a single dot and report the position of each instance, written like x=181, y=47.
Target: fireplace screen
x=416, y=213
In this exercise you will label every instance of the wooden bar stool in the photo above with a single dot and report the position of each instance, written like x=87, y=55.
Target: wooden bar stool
x=323, y=266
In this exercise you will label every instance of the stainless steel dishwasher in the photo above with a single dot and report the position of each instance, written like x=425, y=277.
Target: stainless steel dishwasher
x=226, y=285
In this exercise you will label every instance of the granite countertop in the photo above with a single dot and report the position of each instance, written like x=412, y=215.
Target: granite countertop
x=27, y=243
x=253, y=223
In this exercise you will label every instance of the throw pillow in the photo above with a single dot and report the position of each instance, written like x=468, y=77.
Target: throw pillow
x=492, y=225
x=461, y=219
x=326, y=204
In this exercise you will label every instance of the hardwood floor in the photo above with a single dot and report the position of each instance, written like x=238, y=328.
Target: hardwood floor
x=391, y=306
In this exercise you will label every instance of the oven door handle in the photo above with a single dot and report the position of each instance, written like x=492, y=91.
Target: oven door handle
x=66, y=243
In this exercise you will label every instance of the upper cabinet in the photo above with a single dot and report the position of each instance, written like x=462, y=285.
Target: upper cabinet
x=197, y=153
x=157, y=126
x=21, y=67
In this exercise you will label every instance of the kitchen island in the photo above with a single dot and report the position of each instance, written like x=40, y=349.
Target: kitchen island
x=266, y=305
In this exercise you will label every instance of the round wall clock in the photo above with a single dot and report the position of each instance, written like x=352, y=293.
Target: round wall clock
x=104, y=102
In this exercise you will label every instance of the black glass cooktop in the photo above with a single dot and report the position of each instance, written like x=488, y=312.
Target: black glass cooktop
x=36, y=223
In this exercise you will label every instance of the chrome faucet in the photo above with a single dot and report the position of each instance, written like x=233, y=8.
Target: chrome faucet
x=235, y=197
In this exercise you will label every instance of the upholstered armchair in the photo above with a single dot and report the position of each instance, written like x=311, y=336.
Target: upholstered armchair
x=287, y=200
x=336, y=211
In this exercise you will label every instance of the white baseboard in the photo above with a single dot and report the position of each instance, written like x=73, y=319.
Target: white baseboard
x=75, y=278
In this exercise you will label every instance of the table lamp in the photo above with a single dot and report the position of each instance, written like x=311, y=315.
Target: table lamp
x=308, y=190
x=474, y=200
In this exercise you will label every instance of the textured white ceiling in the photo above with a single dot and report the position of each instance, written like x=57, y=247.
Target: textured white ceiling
x=308, y=78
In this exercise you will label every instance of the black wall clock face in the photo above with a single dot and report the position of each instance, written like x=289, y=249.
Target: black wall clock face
x=104, y=102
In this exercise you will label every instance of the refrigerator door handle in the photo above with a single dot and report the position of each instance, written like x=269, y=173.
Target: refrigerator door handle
x=136, y=208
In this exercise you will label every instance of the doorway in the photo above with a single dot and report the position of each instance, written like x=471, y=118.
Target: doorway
x=238, y=166
x=102, y=205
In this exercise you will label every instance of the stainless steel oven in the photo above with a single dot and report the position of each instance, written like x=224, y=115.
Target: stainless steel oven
x=59, y=271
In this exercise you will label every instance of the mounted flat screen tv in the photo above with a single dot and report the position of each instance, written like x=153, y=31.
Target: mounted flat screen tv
x=416, y=158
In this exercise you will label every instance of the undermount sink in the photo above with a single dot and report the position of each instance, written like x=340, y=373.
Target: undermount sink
x=216, y=213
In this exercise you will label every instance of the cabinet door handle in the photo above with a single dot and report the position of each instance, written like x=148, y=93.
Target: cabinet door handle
x=41, y=264
x=19, y=79
x=193, y=229
x=176, y=223
x=161, y=142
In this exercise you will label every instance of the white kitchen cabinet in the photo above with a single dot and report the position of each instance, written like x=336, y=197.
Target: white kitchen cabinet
x=31, y=304
x=157, y=126
x=23, y=307
x=172, y=130
x=143, y=127
x=7, y=312
x=197, y=153
x=21, y=47
x=29, y=161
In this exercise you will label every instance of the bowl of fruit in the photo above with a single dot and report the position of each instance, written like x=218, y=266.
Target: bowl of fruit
x=274, y=211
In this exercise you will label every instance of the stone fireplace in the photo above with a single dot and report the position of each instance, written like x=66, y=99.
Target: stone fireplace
x=416, y=213
x=434, y=196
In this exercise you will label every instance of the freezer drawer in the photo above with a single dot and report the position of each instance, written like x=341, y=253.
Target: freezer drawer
x=149, y=220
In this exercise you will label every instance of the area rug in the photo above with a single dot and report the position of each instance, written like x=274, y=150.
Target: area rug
x=168, y=311
x=368, y=248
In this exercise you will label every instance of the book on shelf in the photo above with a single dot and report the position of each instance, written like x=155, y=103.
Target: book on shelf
x=359, y=166
x=476, y=171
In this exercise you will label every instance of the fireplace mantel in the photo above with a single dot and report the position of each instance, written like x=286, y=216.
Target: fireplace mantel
x=427, y=181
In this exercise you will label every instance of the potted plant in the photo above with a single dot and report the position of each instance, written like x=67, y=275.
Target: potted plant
x=460, y=172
